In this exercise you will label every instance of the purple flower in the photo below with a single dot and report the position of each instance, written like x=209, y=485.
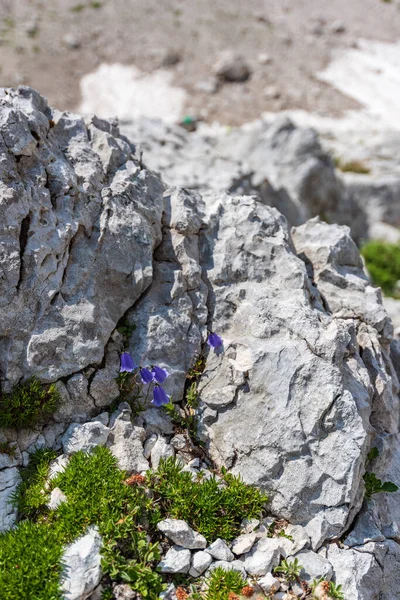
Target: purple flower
x=160, y=396
x=159, y=374
x=146, y=375
x=214, y=340
x=127, y=363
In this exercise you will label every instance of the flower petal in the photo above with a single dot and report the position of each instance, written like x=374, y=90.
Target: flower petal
x=146, y=375
x=127, y=363
x=159, y=374
x=160, y=396
x=214, y=340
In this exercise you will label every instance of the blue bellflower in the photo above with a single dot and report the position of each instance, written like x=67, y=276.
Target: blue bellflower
x=214, y=340
x=127, y=363
x=146, y=375
x=160, y=396
x=159, y=374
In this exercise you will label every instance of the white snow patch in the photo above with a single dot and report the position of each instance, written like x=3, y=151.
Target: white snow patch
x=370, y=74
x=128, y=93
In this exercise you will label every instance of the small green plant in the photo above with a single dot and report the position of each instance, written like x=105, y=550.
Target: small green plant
x=28, y=403
x=334, y=591
x=8, y=448
x=197, y=369
x=191, y=396
x=213, y=509
x=373, y=485
x=290, y=569
x=97, y=494
x=30, y=498
x=281, y=533
x=383, y=264
x=220, y=583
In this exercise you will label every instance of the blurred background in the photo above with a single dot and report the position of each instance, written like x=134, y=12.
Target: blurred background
x=296, y=101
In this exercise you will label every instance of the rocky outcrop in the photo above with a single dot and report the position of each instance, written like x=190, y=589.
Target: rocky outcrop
x=304, y=386
x=80, y=219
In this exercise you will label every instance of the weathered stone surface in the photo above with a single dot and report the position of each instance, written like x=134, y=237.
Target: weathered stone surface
x=81, y=566
x=161, y=449
x=84, y=437
x=232, y=67
x=269, y=584
x=359, y=573
x=200, y=562
x=9, y=480
x=170, y=319
x=243, y=543
x=282, y=164
x=177, y=560
x=126, y=441
x=79, y=221
x=220, y=551
x=182, y=534
x=314, y=566
x=308, y=448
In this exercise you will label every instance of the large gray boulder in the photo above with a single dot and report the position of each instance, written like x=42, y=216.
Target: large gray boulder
x=80, y=218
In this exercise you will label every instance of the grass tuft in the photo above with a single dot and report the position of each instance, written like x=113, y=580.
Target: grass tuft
x=28, y=403
x=214, y=508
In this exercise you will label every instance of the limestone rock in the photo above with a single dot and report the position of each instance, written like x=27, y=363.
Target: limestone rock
x=200, y=562
x=177, y=560
x=288, y=352
x=9, y=481
x=126, y=441
x=56, y=498
x=243, y=543
x=181, y=534
x=359, y=573
x=220, y=551
x=313, y=565
x=80, y=219
x=269, y=584
x=161, y=449
x=81, y=566
x=84, y=437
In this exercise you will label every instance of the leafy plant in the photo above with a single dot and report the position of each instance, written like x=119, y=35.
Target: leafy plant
x=211, y=507
x=28, y=403
x=30, y=498
x=383, y=264
x=191, y=396
x=96, y=495
x=373, y=485
x=220, y=583
x=334, y=591
x=8, y=448
x=290, y=569
x=281, y=533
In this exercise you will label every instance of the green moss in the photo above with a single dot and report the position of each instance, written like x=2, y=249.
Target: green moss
x=213, y=509
x=30, y=499
x=96, y=495
x=27, y=404
x=383, y=264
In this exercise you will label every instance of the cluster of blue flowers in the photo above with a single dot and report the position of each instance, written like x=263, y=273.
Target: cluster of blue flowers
x=156, y=375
